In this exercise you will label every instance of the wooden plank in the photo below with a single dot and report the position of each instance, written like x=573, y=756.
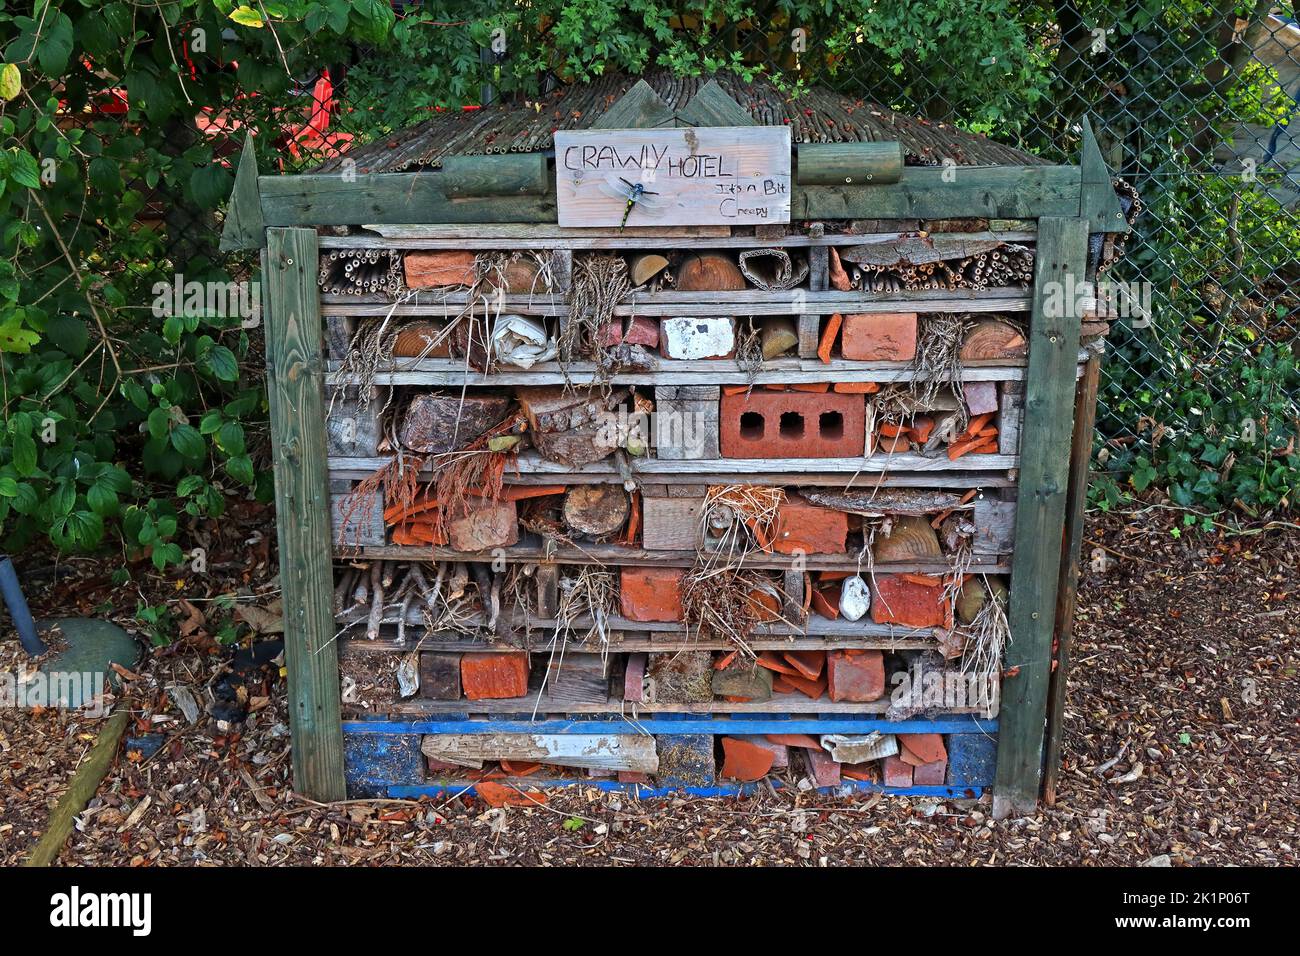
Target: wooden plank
x=244, y=228
x=716, y=175
x=594, y=751
x=670, y=524
x=744, y=302
x=548, y=236
x=1085, y=419
x=712, y=106
x=356, y=526
x=1003, y=192
x=329, y=200
x=779, y=704
x=1044, y=475
x=293, y=358
x=1097, y=201
x=639, y=106
x=995, y=525
x=849, y=164
x=387, y=643
x=1011, y=410
x=531, y=549
x=529, y=463
x=682, y=372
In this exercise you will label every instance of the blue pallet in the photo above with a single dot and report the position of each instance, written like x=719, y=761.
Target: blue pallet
x=644, y=791
x=680, y=723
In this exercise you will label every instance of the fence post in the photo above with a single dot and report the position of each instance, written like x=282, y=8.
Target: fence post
x=1060, y=269
x=294, y=380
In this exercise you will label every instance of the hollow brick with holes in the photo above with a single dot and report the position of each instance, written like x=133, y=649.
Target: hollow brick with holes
x=792, y=424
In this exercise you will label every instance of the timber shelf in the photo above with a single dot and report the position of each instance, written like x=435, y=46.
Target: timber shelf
x=791, y=471
x=672, y=372
x=627, y=636
x=455, y=236
x=533, y=549
x=667, y=304
x=535, y=706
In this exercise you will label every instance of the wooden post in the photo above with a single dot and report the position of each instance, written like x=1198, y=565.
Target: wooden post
x=1085, y=418
x=1062, y=261
x=294, y=378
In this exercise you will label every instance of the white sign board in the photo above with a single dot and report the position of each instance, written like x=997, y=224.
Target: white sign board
x=693, y=176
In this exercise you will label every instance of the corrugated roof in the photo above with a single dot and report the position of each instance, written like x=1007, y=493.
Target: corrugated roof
x=817, y=115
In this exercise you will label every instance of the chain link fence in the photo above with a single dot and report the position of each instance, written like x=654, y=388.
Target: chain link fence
x=1200, y=393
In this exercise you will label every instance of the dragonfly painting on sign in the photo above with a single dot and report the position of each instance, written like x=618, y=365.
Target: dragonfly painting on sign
x=690, y=176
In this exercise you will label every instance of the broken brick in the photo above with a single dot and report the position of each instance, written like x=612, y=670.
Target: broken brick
x=803, y=526
x=496, y=675
x=930, y=774
x=427, y=270
x=639, y=330
x=795, y=740
x=879, y=337
x=780, y=752
x=924, y=748
x=651, y=594
x=824, y=771
x=742, y=760
x=808, y=663
x=898, y=599
x=897, y=773
x=854, y=674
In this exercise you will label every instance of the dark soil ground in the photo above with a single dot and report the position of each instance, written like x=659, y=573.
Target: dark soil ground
x=1180, y=739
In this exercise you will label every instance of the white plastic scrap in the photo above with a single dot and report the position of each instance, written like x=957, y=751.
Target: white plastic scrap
x=520, y=341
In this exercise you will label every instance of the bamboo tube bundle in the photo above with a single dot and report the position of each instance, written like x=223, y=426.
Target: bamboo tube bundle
x=360, y=272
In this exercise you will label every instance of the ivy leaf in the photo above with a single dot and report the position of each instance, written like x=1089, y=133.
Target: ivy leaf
x=246, y=16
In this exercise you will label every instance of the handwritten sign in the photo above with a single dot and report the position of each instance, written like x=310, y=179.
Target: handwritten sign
x=693, y=176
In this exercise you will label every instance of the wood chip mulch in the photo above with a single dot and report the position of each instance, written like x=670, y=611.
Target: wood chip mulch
x=1180, y=747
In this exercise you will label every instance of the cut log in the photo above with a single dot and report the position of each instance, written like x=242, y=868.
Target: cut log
x=646, y=267
x=709, y=272
x=593, y=751
x=439, y=675
x=486, y=525
x=421, y=340
x=911, y=539
x=993, y=338
x=522, y=276
x=428, y=270
x=596, y=510
x=442, y=423
x=778, y=335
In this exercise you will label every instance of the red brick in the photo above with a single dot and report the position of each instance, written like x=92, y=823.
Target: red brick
x=493, y=676
x=922, y=748
x=855, y=675
x=486, y=525
x=896, y=600
x=765, y=424
x=879, y=337
x=642, y=330
x=826, y=601
x=633, y=776
x=651, y=594
x=426, y=270
x=897, y=773
x=773, y=661
x=861, y=771
x=743, y=760
x=797, y=683
x=801, y=526
x=437, y=766
x=824, y=771
x=930, y=774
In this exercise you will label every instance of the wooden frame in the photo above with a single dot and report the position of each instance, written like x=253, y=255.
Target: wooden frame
x=1068, y=202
